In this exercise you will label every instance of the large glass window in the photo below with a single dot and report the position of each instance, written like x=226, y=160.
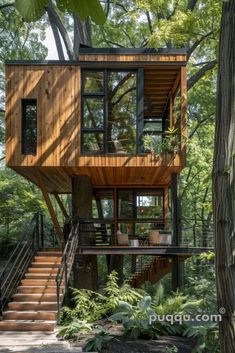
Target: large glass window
x=29, y=126
x=144, y=209
x=149, y=204
x=103, y=204
x=122, y=112
x=109, y=109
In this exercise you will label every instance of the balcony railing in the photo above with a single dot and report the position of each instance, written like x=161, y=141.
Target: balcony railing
x=104, y=232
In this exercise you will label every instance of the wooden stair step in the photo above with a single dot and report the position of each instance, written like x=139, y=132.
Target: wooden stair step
x=45, y=264
x=49, y=253
x=30, y=315
x=54, y=259
x=26, y=325
x=35, y=297
x=38, y=282
x=38, y=289
x=40, y=276
x=51, y=306
x=42, y=270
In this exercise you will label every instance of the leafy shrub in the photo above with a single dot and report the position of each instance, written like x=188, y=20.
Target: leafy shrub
x=207, y=336
x=135, y=319
x=99, y=341
x=92, y=306
x=74, y=327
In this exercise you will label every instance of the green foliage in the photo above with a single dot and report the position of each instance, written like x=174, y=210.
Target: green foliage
x=169, y=143
x=75, y=327
x=32, y=10
x=19, y=200
x=99, y=341
x=92, y=306
x=88, y=305
x=114, y=293
x=135, y=319
x=207, y=336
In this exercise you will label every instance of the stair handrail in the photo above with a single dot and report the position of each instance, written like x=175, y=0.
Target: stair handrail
x=19, y=260
x=66, y=265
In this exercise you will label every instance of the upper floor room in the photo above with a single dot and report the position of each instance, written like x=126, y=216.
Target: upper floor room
x=106, y=110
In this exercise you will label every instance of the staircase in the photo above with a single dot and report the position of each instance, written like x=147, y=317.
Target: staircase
x=152, y=271
x=34, y=306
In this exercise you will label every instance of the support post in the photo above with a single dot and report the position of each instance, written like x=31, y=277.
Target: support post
x=85, y=266
x=177, y=269
x=61, y=205
x=50, y=206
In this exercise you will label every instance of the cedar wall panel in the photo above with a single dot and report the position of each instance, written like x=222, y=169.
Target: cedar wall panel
x=57, y=90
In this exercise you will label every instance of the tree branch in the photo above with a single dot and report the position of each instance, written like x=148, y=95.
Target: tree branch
x=123, y=95
x=149, y=22
x=54, y=17
x=56, y=36
x=116, y=4
x=200, y=73
x=191, y=4
x=197, y=43
x=201, y=122
x=7, y=5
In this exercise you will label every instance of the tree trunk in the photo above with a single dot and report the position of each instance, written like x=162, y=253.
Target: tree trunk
x=223, y=179
x=85, y=266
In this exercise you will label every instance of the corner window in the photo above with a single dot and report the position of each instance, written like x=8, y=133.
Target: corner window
x=29, y=126
x=109, y=111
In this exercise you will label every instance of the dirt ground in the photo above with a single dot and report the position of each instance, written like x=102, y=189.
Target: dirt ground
x=162, y=345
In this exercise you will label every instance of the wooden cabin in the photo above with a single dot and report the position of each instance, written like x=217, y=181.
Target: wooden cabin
x=95, y=117
x=92, y=116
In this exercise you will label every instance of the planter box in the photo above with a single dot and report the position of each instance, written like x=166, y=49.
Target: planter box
x=122, y=239
x=157, y=238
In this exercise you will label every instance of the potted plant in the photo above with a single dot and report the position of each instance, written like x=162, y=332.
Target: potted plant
x=148, y=143
x=122, y=239
x=154, y=237
x=168, y=144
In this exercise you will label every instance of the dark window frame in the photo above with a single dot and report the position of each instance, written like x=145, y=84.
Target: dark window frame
x=24, y=103
x=104, y=95
x=135, y=192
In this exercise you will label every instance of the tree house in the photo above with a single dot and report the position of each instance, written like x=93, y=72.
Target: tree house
x=110, y=129
x=116, y=115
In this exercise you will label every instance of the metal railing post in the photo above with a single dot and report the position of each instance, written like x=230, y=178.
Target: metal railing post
x=42, y=230
x=37, y=231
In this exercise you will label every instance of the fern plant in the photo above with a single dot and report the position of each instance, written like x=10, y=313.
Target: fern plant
x=74, y=327
x=92, y=306
x=99, y=341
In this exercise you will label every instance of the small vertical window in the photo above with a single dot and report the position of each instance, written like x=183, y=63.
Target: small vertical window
x=29, y=126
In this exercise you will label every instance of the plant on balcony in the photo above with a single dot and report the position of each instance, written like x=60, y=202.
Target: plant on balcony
x=169, y=143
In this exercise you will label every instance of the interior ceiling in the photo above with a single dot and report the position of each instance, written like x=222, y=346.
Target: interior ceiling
x=158, y=83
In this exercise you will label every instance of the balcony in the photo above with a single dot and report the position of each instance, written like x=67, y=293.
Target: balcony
x=99, y=236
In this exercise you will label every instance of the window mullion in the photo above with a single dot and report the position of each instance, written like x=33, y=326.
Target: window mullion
x=106, y=111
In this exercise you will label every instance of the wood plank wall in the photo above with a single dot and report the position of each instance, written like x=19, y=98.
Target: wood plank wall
x=57, y=90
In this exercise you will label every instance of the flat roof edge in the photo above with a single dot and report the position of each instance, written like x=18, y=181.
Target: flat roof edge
x=133, y=51
x=104, y=51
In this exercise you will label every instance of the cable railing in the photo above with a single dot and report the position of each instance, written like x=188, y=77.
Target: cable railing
x=145, y=232
x=35, y=235
x=19, y=261
x=68, y=257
